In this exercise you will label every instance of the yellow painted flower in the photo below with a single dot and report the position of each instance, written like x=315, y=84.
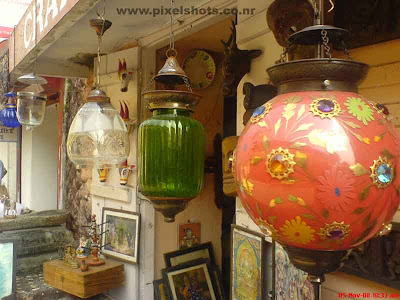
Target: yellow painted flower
x=272, y=203
x=377, y=138
x=297, y=231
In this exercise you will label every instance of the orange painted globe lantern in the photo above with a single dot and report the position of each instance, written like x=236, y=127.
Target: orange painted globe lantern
x=317, y=166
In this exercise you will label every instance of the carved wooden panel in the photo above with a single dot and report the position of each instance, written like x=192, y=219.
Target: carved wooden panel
x=369, y=21
x=378, y=259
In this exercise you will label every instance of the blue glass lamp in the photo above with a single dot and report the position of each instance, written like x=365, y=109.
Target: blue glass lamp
x=8, y=116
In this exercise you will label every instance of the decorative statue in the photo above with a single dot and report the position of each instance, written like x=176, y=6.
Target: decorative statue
x=236, y=64
x=82, y=251
x=10, y=207
x=124, y=75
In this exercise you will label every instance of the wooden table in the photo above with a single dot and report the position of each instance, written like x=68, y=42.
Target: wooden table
x=84, y=284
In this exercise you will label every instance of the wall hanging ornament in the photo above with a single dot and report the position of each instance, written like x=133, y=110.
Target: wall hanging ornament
x=171, y=143
x=98, y=135
x=316, y=166
x=8, y=115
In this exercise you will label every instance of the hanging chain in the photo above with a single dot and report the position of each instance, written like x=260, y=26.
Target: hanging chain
x=98, y=61
x=99, y=44
x=149, y=85
x=346, y=51
x=171, y=34
x=325, y=41
x=187, y=83
x=284, y=54
x=35, y=67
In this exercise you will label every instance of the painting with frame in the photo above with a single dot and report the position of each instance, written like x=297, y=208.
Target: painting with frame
x=160, y=290
x=290, y=282
x=181, y=256
x=8, y=269
x=195, y=277
x=247, y=264
x=121, y=234
x=189, y=235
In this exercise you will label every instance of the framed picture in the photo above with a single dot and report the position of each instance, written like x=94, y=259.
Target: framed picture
x=121, y=234
x=175, y=258
x=159, y=290
x=218, y=281
x=290, y=282
x=192, y=280
x=8, y=269
x=247, y=264
x=189, y=235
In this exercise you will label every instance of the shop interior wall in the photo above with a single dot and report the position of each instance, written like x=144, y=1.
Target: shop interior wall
x=39, y=163
x=210, y=113
x=382, y=85
x=136, y=275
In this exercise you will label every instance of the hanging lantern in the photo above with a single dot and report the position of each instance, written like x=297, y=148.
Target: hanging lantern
x=98, y=136
x=8, y=116
x=316, y=167
x=171, y=144
x=31, y=103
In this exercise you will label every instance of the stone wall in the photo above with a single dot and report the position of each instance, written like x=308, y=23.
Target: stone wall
x=76, y=183
x=3, y=77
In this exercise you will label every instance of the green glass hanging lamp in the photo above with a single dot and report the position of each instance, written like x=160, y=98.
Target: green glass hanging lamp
x=171, y=143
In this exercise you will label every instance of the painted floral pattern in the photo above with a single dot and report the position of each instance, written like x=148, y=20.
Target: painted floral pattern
x=360, y=109
x=297, y=231
x=329, y=201
x=336, y=190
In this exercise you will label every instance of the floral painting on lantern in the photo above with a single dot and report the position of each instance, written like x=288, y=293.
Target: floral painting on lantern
x=246, y=265
x=290, y=282
x=121, y=234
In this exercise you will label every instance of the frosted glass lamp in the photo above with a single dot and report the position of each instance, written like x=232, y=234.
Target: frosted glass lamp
x=98, y=135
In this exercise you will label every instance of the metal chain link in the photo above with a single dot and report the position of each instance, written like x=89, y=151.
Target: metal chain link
x=283, y=57
x=187, y=83
x=149, y=85
x=325, y=41
x=346, y=51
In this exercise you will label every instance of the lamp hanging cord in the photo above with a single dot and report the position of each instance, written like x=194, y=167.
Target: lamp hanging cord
x=101, y=16
x=171, y=36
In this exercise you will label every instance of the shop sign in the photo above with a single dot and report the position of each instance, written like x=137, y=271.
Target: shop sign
x=48, y=14
x=5, y=32
x=8, y=134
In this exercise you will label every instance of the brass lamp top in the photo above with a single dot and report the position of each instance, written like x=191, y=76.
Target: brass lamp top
x=97, y=95
x=171, y=73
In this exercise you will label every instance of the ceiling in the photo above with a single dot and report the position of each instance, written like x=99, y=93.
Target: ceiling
x=77, y=46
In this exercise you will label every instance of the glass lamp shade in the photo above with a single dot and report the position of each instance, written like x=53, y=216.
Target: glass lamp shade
x=318, y=169
x=31, y=108
x=98, y=137
x=171, y=147
x=8, y=116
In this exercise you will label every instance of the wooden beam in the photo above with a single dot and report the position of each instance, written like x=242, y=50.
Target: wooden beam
x=52, y=18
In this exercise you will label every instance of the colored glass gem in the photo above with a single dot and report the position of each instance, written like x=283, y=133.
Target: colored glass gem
x=383, y=109
x=258, y=111
x=326, y=106
x=278, y=165
x=385, y=173
x=336, y=234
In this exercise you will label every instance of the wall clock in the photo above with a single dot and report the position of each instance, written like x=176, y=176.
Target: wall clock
x=200, y=67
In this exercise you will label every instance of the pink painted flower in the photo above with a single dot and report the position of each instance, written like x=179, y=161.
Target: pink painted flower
x=336, y=190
